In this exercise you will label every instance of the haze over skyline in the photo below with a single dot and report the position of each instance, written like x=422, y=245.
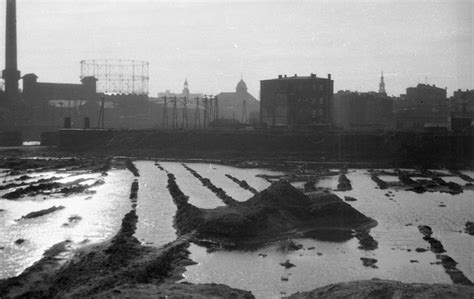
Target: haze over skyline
x=214, y=43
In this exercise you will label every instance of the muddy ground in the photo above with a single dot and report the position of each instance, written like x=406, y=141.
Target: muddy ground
x=377, y=288
x=122, y=267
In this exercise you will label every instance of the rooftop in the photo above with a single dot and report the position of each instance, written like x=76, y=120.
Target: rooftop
x=296, y=77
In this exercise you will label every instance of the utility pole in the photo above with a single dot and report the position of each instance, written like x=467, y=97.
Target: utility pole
x=216, y=108
x=100, y=121
x=197, y=115
x=185, y=113
x=165, y=113
x=206, y=115
x=175, y=114
x=211, y=109
x=244, y=111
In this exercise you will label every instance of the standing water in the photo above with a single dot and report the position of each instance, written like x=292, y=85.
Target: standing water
x=321, y=263
x=98, y=218
x=155, y=207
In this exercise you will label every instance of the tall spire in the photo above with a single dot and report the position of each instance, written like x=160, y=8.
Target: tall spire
x=11, y=73
x=186, y=88
x=382, y=85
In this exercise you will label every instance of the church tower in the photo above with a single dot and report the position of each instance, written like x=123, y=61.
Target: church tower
x=382, y=85
x=241, y=87
x=186, y=88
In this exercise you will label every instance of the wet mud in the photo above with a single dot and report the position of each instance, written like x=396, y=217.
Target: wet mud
x=132, y=168
x=53, y=188
x=366, y=241
x=277, y=213
x=344, y=183
x=119, y=267
x=242, y=183
x=42, y=212
x=431, y=181
x=448, y=263
x=377, y=288
x=469, y=229
x=219, y=192
x=369, y=262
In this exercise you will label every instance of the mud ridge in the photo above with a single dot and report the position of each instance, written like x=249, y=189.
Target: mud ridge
x=344, y=183
x=369, y=262
x=448, y=263
x=462, y=176
x=219, y=192
x=131, y=167
x=17, y=185
x=134, y=191
x=242, y=183
x=52, y=188
x=366, y=241
x=432, y=183
x=469, y=229
x=454, y=188
x=42, y=212
x=381, y=183
x=187, y=217
x=160, y=167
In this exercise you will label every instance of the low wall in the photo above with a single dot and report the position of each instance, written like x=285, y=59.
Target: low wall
x=324, y=146
x=12, y=138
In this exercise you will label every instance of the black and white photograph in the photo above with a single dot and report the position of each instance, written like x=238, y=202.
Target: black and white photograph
x=236, y=149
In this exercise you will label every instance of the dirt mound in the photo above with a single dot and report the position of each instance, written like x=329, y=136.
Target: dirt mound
x=376, y=288
x=279, y=212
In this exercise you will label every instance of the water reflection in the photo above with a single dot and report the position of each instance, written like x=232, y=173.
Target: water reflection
x=330, y=262
x=100, y=214
x=155, y=208
x=318, y=264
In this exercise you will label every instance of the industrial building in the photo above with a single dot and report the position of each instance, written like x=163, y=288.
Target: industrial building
x=296, y=101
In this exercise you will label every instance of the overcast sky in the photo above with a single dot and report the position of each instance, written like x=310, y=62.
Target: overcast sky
x=214, y=43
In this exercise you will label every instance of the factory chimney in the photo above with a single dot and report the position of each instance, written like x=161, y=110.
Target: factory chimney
x=10, y=74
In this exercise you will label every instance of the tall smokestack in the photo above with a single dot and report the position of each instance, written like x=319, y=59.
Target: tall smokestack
x=10, y=74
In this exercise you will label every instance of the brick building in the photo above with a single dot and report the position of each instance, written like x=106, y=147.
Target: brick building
x=363, y=110
x=423, y=106
x=296, y=101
